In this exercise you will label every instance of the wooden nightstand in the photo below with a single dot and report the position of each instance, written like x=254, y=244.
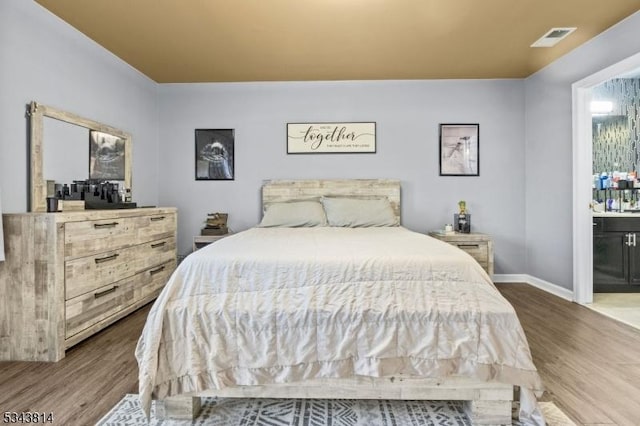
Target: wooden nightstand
x=479, y=246
x=200, y=241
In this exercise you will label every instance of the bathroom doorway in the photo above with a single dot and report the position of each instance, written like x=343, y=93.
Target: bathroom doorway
x=583, y=92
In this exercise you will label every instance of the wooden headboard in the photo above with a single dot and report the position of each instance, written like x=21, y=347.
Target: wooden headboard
x=290, y=190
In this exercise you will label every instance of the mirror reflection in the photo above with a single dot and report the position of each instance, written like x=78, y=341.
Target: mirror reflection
x=65, y=151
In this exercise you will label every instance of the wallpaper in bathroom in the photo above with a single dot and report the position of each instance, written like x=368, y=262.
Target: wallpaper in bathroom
x=616, y=137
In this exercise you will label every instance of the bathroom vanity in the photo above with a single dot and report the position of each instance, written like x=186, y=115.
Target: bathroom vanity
x=616, y=252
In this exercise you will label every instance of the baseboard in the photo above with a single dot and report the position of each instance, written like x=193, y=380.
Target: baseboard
x=536, y=282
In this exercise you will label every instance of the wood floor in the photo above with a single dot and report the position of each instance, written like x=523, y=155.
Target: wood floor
x=590, y=365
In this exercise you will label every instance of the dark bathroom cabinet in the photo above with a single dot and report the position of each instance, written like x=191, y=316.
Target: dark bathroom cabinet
x=616, y=254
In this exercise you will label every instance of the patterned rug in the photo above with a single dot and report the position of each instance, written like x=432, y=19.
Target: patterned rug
x=305, y=412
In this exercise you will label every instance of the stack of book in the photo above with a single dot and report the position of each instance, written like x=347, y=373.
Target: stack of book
x=216, y=224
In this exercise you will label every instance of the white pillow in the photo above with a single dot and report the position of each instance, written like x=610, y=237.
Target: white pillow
x=359, y=212
x=293, y=214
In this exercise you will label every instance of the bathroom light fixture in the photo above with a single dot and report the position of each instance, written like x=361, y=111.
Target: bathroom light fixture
x=553, y=36
x=601, y=107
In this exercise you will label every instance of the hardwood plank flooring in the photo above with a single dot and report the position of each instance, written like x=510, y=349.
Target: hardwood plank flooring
x=590, y=365
x=85, y=385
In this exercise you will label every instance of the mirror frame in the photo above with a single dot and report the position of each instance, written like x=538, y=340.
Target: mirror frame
x=37, y=183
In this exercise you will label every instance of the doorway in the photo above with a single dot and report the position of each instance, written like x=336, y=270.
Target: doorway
x=582, y=175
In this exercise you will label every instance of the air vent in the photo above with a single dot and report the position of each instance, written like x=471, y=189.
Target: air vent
x=553, y=36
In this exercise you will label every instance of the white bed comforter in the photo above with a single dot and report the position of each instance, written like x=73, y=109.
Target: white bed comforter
x=273, y=305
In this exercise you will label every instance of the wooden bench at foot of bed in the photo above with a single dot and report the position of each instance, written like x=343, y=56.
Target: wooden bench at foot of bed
x=486, y=403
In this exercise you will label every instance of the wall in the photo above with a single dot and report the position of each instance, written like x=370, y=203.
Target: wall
x=548, y=150
x=44, y=59
x=407, y=115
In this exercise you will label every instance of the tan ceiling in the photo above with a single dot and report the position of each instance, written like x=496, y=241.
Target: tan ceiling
x=301, y=40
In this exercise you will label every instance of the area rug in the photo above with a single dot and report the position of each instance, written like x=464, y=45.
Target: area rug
x=316, y=412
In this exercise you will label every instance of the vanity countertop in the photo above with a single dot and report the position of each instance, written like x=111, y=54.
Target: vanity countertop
x=616, y=214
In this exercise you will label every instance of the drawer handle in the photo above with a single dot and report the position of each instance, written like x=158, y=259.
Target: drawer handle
x=106, y=259
x=469, y=245
x=157, y=218
x=104, y=293
x=105, y=225
x=155, y=271
x=156, y=245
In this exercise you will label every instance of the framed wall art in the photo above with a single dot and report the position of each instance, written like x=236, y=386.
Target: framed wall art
x=459, y=149
x=331, y=138
x=106, y=156
x=215, y=154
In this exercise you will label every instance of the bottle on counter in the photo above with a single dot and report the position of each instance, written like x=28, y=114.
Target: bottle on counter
x=603, y=180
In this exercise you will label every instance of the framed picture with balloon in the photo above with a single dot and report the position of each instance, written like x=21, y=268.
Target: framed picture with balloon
x=214, y=154
x=460, y=149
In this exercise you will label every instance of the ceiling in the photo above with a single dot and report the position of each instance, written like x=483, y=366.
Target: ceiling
x=176, y=41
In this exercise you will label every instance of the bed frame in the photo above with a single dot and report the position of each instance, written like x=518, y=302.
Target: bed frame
x=485, y=402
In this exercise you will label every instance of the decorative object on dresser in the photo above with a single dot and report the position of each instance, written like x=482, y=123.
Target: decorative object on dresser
x=331, y=138
x=90, y=194
x=479, y=246
x=69, y=275
x=459, y=150
x=215, y=154
x=109, y=150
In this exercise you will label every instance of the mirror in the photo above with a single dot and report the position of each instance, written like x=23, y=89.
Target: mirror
x=612, y=147
x=65, y=147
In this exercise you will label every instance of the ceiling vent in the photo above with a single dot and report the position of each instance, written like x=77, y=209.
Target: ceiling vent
x=553, y=36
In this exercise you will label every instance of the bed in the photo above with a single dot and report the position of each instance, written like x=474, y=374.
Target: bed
x=335, y=312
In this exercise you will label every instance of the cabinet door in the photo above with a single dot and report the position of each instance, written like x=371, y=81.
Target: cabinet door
x=634, y=262
x=610, y=259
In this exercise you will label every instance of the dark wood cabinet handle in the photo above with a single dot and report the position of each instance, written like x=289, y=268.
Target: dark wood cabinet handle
x=107, y=258
x=155, y=271
x=157, y=218
x=469, y=245
x=105, y=225
x=156, y=245
x=104, y=293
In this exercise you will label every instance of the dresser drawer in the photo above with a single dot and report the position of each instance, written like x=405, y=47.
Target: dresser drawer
x=153, y=280
x=88, y=309
x=156, y=227
x=96, y=236
x=87, y=274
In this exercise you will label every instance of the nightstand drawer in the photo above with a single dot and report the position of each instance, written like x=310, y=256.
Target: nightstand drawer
x=479, y=251
x=200, y=241
x=479, y=246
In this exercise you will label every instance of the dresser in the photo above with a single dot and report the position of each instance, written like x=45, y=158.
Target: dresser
x=69, y=275
x=479, y=246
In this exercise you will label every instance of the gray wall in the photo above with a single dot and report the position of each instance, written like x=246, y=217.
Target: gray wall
x=44, y=59
x=407, y=116
x=522, y=196
x=548, y=149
